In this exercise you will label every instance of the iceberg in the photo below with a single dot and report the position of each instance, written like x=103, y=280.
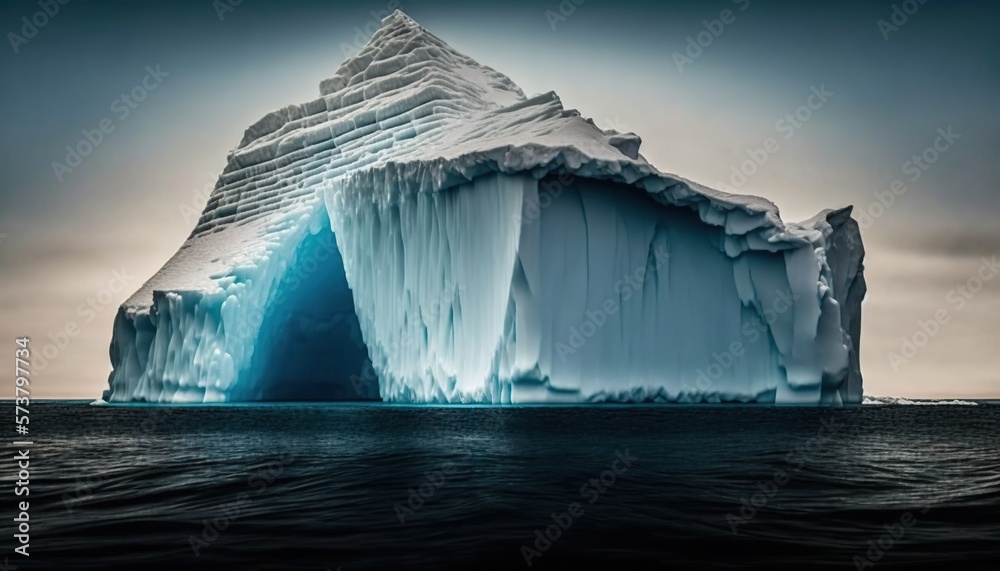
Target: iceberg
x=423, y=232
x=883, y=401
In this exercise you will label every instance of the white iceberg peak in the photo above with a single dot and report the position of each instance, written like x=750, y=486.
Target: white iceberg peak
x=423, y=232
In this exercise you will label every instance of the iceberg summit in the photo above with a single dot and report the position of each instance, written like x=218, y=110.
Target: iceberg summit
x=423, y=232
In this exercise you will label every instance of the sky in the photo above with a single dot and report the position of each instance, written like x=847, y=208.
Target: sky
x=899, y=91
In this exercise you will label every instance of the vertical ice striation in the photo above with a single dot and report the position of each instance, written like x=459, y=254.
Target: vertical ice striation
x=435, y=272
x=479, y=293
x=423, y=232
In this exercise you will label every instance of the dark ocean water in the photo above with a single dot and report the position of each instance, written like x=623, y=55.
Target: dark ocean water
x=323, y=486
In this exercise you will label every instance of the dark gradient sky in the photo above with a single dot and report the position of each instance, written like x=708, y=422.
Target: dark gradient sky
x=123, y=208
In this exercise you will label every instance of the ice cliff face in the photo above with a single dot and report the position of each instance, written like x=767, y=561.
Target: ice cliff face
x=423, y=232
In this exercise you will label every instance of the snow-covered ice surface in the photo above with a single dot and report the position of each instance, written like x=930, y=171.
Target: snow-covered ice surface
x=424, y=232
x=872, y=400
